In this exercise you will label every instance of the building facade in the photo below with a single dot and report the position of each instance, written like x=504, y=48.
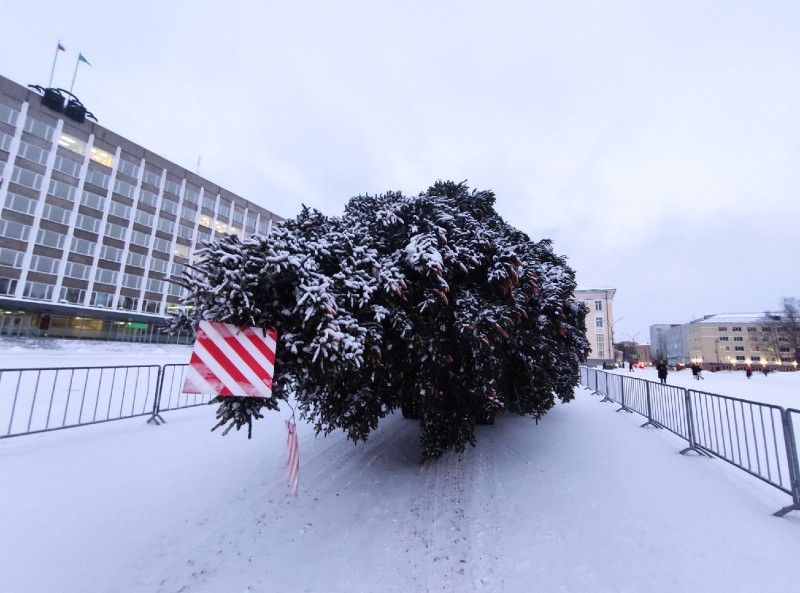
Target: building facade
x=728, y=341
x=599, y=323
x=93, y=226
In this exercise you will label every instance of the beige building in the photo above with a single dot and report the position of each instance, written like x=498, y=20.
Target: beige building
x=599, y=323
x=729, y=341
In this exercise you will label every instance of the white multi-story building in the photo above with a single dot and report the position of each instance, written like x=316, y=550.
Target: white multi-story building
x=599, y=323
x=92, y=225
x=727, y=341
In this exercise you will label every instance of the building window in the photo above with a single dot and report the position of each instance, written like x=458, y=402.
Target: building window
x=8, y=115
x=161, y=245
x=101, y=299
x=755, y=359
x=169, y=206
x=136, y=259
x=751, y=329
x=124, y=188
x=131, y=280
x=8, y=286
x=92, y=200
x=128, y=303
x=144, y=218
x=738, y=339
x=67, y=166
x=601, y=344
x=172, y=187
x=20, y=203
x=76, y=270
x=723, y=338
x=152, y=178
x=139, y=238
x=87, y=223
x=158, y=265
x=722, y=328
x=109, y=253
x=598, y=305
x=128, y=168
x=155, y=285
x=766, y=330
x=82, y=246
x=739, y=348
x=27, y=178
x=148, y=197
x=166, y=226
x=185, y=231
x=72, y=295
x=598, y=322
x=50, y=238
x=39, y=128
x=181, y=250
x=98, y=177
x=11, y=257
x=106, y=276
x=33, y=153
x=209, y=201
x=741, y=358
x=38, y=291
x=116, y=231
x=151, y=306
x=44, y=264
x=736, y=329
x=62, y=190
x=101, y=156
x=119, y=209
x=55, y=214
x=14, y=230
x=72, y=144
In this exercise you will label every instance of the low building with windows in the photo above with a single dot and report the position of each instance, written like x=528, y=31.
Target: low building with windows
x=728, y=341
x=599, y=323
x=92, y=225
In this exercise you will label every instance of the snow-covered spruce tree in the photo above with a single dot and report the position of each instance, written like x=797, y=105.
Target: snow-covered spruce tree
x=431, y=301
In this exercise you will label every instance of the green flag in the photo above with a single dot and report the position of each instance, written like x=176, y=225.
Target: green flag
x=82, y=59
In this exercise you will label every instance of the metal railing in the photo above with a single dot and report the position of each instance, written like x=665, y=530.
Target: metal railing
x=40, y=400
x=760, y=439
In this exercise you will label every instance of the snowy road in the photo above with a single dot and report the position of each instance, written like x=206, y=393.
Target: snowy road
x=586, y=501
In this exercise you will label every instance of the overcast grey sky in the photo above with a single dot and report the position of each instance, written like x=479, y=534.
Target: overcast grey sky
x=656, y=143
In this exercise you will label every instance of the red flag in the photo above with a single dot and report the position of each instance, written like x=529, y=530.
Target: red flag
x=60, y=47
x=293, y=461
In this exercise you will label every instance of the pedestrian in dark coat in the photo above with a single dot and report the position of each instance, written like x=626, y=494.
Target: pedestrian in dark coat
x=749, y=372
x=630, y=366
x=661, y=367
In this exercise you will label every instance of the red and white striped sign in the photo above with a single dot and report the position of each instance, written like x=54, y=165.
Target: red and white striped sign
x=293, y=460
x=231, y=360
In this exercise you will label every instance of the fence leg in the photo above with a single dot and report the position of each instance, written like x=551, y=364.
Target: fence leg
x=794, y=464
x=622, y=396
x=155, y=417
x=690, y=425
x=650, y=421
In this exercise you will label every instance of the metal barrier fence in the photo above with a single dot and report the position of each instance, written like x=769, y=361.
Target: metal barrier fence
x=40, y=400
x=760, y=439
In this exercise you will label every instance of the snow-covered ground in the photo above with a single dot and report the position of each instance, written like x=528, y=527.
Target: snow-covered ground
x=585, y=501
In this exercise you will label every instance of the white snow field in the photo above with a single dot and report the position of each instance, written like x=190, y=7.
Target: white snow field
x=585, y=501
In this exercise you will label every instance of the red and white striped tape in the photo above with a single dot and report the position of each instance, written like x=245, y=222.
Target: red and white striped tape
x=293, y=460
x=231, y=360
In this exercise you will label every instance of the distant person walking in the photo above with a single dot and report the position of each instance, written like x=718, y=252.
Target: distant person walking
x=696, y=371
x=661, y=367
x=630, y=366
x=765, y=370
x=749, y=372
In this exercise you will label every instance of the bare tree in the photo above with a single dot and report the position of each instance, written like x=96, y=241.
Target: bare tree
x=783, y=329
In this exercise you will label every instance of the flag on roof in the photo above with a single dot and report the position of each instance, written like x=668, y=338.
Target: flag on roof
x=60, y=47
x=82, y=59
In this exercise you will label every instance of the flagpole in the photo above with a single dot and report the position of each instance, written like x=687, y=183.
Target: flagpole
x=52, y=71
x=77, y=63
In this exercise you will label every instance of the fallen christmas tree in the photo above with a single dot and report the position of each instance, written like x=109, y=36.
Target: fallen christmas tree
x=430, y=300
